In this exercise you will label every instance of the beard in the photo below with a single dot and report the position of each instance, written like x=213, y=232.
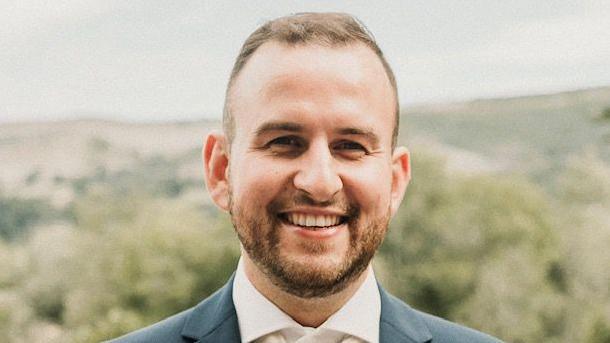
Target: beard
x=259, y=231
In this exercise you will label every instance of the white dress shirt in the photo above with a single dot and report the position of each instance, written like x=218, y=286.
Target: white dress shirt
x=260, y=321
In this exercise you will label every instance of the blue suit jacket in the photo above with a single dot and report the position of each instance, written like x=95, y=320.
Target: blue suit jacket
x=214, y=320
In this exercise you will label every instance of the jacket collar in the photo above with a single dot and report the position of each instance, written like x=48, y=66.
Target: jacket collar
x=399, y=322
x=215, y=320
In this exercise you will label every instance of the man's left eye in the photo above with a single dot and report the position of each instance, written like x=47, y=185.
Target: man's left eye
x=353, y=149
x=349, y=146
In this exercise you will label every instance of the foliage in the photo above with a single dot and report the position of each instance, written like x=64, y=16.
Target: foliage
x=585, y=181
x=606, y=114
x=584, y=200
x=157, y=176
x=459, y=242
x=121, y=269
x=18, y=216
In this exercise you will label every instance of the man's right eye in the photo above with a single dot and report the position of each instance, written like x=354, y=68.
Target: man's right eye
x=286, y=144
x=287, y=140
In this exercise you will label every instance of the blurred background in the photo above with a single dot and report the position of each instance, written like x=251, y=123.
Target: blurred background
x=105, y=224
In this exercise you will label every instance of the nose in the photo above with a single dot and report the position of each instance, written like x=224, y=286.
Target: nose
x=317, y=175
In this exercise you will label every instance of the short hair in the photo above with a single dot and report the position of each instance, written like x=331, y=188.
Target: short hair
x=326, y=29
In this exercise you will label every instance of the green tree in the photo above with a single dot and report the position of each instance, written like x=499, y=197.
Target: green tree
x=583, y=195
x=475, y=249
x=131, y=261
x=18, y=216
x=605, y=115
x=156, y=261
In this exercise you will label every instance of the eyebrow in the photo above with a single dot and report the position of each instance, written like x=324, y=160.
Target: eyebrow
x=368, y=134
x=278, y=126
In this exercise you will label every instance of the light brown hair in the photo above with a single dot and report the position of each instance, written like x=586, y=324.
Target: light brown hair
x=327, y=29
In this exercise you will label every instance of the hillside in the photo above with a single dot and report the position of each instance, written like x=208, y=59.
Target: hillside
x=38, y=158
x=533, y=134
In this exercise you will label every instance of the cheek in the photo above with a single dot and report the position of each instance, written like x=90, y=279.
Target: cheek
x=254, y=181
x=370, y=186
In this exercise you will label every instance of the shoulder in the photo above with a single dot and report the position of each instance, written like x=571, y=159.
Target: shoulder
x=401, y=322
x=217, y=311
x=445, y=331
x=167, y=330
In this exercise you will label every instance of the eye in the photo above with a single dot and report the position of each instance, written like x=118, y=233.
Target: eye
x=285, y=140
x=350, y=149
x=286, y=145
x=347, y=145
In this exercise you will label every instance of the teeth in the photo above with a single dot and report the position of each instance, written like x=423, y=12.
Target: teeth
x=313, y=220
x=310, y=221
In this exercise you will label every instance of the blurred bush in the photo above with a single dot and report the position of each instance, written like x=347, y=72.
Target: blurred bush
x=475, y=249
x=130, y=262
x=18, y=216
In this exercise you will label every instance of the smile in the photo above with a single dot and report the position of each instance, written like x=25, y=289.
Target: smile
x=312, y=221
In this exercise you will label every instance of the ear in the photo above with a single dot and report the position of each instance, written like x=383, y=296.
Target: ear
x=216, y=166
x=401, y=175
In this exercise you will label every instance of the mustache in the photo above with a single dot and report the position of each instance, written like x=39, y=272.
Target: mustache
x=339, y=202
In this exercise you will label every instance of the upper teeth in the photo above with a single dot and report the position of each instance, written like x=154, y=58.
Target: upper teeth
x=313, y=220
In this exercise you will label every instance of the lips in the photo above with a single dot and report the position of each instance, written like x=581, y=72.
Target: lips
x=312, y=221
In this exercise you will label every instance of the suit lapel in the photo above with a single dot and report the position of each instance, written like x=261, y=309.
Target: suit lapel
x=228, y=332
x=214, y=319
x=399, y=322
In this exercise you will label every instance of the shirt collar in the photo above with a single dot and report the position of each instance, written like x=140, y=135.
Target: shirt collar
x=358, y=317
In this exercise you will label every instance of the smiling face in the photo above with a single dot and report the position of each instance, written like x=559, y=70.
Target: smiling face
x=311, y=178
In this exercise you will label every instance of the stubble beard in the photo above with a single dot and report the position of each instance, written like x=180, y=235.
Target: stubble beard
x=259, y=234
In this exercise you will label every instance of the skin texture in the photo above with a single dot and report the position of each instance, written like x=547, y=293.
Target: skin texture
x=313, y=135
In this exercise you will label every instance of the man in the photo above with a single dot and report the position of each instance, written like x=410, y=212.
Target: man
x=309, y=170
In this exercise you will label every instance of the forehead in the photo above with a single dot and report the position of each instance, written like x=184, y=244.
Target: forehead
x=334, y=82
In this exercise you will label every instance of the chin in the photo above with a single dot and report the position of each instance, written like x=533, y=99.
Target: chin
x=315, y=276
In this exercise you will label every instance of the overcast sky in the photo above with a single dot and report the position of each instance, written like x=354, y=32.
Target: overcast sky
x=170, y=60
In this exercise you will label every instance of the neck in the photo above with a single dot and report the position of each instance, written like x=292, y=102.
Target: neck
x=310, y=312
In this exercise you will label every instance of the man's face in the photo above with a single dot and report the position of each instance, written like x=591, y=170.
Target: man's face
x=311, y=182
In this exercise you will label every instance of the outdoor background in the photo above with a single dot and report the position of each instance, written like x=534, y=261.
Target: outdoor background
x=106, y=226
